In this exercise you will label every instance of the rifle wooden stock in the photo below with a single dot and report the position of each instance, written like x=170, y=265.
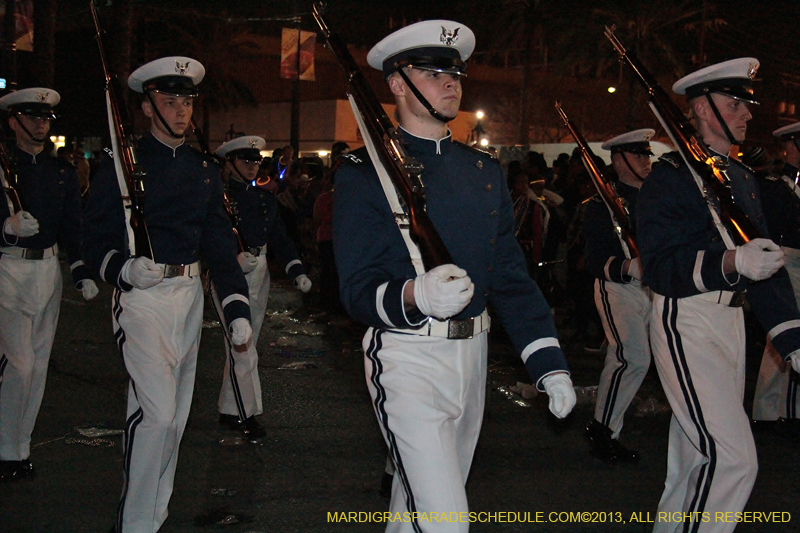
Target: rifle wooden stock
x=619, y=214
x=230, y=205
x=709, y=168
x=125, y=149
x=404, y=171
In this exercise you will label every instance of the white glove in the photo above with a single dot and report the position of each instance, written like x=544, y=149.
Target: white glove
x=247, y=261
x=303, y=283
x=796, y=362
x=758, y=259
x=89, y=289
x=240, y=332
x=21, y=224
x=561, y=392
x=142, y=272
x=443, y=292
x=635, y=268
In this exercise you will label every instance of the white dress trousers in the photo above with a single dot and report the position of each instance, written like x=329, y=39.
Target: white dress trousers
x=30, y=300
x=158, y=333
x=625, y=310
x=240, y=394
x=428, y=395
x=699, y=351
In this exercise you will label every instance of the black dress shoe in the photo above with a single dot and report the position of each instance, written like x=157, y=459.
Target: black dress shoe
x=231, y=422
x=606, y=448
x=252, y=430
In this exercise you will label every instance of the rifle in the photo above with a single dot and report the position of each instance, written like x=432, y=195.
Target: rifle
x=130, y=174
x=230, y=206
x=9, y=175
x=708, y=169
x=404, y=171
x=620, y=218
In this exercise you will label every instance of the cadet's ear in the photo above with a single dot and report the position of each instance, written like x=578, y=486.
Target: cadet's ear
x=147, y=108
x=397, y=85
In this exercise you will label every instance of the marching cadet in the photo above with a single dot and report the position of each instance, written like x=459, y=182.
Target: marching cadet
x=30, y=275
x=624, y=304
x=426, y=346
x=259, y=225
x=777, y=396
x=697, y=329
x=158, y=303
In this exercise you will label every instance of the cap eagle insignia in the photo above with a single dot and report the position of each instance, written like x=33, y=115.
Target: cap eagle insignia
x=449, y=38
x=182, y=68
x=253, y=143
x=751, y=72
x=42, y=97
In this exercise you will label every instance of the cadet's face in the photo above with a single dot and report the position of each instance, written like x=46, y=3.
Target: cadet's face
x=38, y=127
x=248, y=169
x=734, y=112
x=176, y=110
x=641, y=164
x=443, y=91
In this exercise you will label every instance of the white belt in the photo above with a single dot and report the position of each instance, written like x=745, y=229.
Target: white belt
x=175, y=271
x=29, y=253
x=728, y=298
x=462, y=328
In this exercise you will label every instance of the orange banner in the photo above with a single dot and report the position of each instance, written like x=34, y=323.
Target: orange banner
x=293, y=62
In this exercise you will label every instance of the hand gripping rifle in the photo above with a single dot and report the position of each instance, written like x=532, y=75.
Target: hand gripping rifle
x=404, y=171
x=230, y=206
x=708, y=170
x=130, y=174
x=9, y=178
x=620, y=218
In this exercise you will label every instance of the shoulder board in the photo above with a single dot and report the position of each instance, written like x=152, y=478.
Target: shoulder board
x=672, y=158
x=475, y=150
x=353, y=159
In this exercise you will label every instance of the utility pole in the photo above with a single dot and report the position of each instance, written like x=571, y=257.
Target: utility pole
x=294, y=134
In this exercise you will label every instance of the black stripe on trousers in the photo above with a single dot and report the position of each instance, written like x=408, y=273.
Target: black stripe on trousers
x=616, y=377
x=131, y=424
x=237, y=392
x=707, y=445
x=3, y=365
x=791, y=393
x=379, y=403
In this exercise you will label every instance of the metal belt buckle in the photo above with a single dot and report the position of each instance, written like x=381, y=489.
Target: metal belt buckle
x=737, y=300
x=460, y=329
x=33, y=254
x=173, y=271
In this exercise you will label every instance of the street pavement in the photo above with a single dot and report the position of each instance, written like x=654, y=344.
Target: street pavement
x=323, y=454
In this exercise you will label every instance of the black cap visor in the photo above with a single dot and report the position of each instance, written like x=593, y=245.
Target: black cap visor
x=245, y=154
x=171, y=85
x=738, y=88
x=638, y=148
x=32, y=109
x=434, y=58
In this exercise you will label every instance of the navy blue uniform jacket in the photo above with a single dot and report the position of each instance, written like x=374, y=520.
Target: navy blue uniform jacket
x=48, y=190
x=184, y=213
x=260, y=223
x=781, y=207
x=682, y=249
x=603, y=252
x=470, y=206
